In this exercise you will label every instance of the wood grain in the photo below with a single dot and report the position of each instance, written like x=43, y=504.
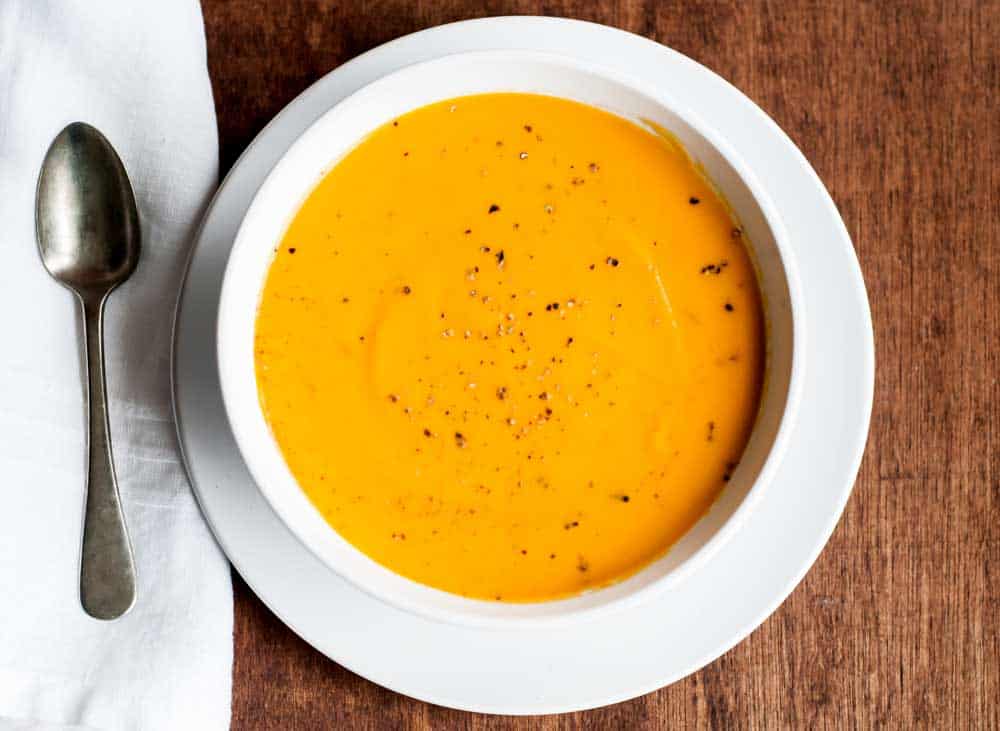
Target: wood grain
x=895, y=104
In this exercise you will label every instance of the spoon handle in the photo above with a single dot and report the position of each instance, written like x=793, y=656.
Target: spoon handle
x=107, y=571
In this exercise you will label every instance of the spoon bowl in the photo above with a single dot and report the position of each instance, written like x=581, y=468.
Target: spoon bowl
x=87, y=222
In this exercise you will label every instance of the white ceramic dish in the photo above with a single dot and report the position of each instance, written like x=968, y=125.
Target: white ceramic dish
x=336, y=133
x=623, y=655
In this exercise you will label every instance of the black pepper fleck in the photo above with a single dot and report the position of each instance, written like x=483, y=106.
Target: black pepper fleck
x=728, y=474
x=715, y=268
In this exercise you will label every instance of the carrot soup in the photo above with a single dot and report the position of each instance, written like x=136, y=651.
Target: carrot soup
x=511, y=346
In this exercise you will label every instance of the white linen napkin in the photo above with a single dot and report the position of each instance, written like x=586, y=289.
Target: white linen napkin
x=137, y=71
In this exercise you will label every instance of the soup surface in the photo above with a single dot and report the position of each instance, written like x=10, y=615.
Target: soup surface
x=511, y=346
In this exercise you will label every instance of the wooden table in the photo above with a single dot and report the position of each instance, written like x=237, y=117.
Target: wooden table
x=896, y=106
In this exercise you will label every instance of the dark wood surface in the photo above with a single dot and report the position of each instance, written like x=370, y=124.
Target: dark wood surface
x=896, y=105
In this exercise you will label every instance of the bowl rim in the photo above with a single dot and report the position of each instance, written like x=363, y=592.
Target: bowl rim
x=247, y=443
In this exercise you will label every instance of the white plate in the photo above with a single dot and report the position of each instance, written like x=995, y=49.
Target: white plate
x=608, y=659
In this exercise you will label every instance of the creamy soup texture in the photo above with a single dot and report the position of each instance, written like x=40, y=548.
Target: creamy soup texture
x=511, y=346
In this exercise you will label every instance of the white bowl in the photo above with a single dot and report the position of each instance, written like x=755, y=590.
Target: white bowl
x=335, y=134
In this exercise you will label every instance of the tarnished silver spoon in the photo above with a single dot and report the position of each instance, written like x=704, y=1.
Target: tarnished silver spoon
x=88, y=236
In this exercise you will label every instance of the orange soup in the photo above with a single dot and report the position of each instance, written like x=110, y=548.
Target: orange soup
x=511, y=346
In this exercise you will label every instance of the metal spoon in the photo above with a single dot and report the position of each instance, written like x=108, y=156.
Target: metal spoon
x=88, y=236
